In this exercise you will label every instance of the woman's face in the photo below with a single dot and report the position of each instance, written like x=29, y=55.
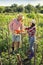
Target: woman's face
x=30, y=23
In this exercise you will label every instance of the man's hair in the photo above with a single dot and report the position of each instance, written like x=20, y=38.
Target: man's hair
x=20, y=15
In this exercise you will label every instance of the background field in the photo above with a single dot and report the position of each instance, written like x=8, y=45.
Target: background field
x=5, y=37
x=7, y=14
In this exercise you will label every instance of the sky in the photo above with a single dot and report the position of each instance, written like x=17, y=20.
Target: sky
x=20, y=2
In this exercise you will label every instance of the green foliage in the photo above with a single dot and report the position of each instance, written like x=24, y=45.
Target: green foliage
x=29, y=8
x=15, y=8
x=38, y=8
x=20, y=8
x=31, y=15
x=41, y=11
x=3, y=45
x=5, y=39
x=7, y=9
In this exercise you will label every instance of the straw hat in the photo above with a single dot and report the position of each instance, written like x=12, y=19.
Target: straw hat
x=20, y=15
x=33, y=21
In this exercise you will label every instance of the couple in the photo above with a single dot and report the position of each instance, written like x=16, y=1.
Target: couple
x=16, y=27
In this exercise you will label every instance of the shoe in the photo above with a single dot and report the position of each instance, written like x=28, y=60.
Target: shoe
x=16, y=51
x=31, y=55
x=12, y=52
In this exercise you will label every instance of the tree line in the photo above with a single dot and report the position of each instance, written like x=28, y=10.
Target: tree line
x=27, y=9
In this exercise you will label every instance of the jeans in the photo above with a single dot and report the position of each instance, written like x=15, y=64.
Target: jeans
x=31, y=41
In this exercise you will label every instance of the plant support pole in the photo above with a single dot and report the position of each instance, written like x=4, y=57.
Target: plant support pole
x=34, y=53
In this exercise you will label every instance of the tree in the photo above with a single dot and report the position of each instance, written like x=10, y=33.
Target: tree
x=20, y=8
x=41, y=11
x=7, y=9
x=14, y=8
x=14, y=5
x=1, y=9
x=38, y=7
x=29, y=8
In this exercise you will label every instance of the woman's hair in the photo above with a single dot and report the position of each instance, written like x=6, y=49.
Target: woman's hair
x=32, y=25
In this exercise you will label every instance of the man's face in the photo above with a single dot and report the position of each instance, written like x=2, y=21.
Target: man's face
x=20, y=18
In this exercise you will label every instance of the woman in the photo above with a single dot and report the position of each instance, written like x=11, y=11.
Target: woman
x=31, y=35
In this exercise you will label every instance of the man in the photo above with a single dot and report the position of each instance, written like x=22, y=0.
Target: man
x=16, y=28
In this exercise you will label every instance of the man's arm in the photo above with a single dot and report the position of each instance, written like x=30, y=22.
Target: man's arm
x=22, y=29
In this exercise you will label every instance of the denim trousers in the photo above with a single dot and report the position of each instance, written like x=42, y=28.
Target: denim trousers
x=31, y=43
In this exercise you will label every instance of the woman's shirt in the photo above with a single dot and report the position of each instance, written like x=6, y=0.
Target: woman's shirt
x=31, y=31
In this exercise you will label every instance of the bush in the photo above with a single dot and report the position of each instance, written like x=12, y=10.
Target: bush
x=31, y=15
x=3, y=45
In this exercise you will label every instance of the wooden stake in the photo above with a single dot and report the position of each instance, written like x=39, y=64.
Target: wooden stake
x=34, y=53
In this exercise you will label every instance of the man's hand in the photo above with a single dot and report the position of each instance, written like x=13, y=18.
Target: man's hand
x=23, y=33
